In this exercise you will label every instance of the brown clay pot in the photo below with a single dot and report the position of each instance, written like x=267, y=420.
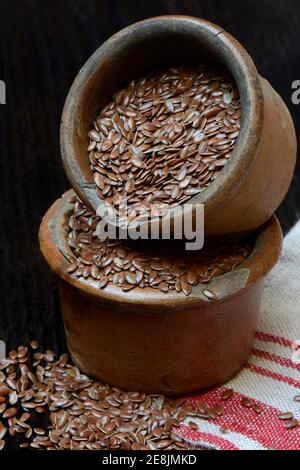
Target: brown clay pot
x=254, y=182
x=150, y=341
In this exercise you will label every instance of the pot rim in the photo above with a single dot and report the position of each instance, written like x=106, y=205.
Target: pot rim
x=267, y=248
x=241, y=67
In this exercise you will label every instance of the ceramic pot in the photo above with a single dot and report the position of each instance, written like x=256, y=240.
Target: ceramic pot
x=253, y=183
x=147, y=340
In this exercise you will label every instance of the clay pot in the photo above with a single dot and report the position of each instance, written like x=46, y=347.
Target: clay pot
x=254, y=182
x=150, y=341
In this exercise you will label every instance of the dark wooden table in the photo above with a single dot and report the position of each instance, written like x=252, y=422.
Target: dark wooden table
x=43, y=44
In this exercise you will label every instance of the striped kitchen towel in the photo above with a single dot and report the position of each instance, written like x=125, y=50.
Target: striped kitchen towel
x=270, y=379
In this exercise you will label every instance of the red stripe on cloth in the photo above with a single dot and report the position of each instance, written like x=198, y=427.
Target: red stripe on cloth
x=265, y=428
x=260, y=335
x=205, y=438
x=275, y=358
x=273, y=375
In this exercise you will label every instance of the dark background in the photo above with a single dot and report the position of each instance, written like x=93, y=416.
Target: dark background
x=42, y=46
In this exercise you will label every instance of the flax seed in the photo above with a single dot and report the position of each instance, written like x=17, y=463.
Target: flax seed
x=85, y=414
x=227, y=394
x=193, y=425
x=34, y=344
x=257, y=408
x=10, y=413
x=209, y=294
x=286, y=416
x=166, y=266
x=246, y=402
x=293, y=423
x=161, y=119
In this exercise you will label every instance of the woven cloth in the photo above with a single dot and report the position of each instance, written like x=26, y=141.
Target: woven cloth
x=271, y=378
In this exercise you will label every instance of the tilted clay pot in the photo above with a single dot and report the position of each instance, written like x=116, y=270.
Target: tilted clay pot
x=146, y=340
x=253, y=183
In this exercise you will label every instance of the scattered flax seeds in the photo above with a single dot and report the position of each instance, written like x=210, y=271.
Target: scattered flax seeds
x=59, y=408
x=75, y=412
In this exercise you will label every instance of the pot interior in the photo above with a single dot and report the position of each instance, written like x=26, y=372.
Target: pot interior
x=138, y=50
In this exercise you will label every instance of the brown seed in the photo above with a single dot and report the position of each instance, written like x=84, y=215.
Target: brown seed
x=193, y=425
x=34, y=344
x=138, y=163
x=129, y=186
x=182, y=174
x=131, y=278
x=107, y=144
x=118, y=262
x=286, y=416
x=94, y=136
x=185, y=182
x=202, y=407
x=297, y=398
x=4, y=390
x=227, y=98
x=175, y=192
x=10, y=413
x=186, y=288
x=2, y=408
x=246, y=402
x=209, y=294
x=257, y=408
x=13, y=398
x=3, y=430
x=28, y=433
x=169, y=105
x=157, y=432
x=72, y=267
x=218, y=409
x=293, y=423
x=39, y=431
x=192, y=278
x=163, y=287
x=224, y=430
x=227, y=394
x=182, y=414
x=103, y=281
x=211, y=413
x=25, y=417
x=2, y=444
x=99, y=180
x=117, y=198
